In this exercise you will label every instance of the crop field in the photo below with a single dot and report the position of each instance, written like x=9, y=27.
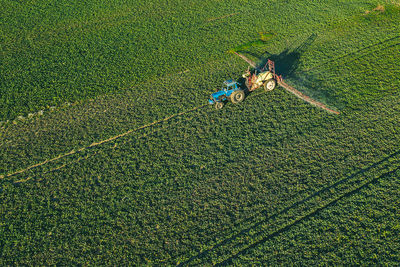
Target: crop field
x=128, y=165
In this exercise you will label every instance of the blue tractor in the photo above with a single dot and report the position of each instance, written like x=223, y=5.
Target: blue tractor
x=231, y=91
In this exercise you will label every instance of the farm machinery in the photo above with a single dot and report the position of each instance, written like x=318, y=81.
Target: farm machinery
x=251, y=80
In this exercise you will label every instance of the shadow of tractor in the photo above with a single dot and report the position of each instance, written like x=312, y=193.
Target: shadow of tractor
x=288, y=60
x=287, y=64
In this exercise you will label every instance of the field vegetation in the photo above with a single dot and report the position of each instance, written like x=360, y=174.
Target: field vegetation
x=139, y=170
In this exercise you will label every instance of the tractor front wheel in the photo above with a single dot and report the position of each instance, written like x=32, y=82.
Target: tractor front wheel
x=219, y=105
x=270, y=85
x=237, y=96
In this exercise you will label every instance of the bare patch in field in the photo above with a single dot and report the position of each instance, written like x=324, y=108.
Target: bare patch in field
x=378, y=9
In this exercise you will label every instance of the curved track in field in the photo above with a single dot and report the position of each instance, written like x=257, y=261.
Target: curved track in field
x=95, y=144
x=261, y=227
x=368, y=49
x=100, y=142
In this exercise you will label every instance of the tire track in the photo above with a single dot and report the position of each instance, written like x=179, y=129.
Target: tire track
x=94, y=144
x=104, y=141
x=354, y=52
x=287, y=227
x=86, y=157
x=55, y=169
x=261, y=227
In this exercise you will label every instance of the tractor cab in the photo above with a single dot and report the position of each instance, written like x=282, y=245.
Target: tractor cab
x=230, y=85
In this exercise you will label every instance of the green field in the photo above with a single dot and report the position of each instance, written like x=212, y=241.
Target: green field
x=271, y=181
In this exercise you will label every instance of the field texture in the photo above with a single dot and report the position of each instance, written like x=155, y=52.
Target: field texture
x=138, y=170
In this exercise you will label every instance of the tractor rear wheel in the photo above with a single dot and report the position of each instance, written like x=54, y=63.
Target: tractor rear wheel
x=237, y=96
x=270, y=85
x=219, y=105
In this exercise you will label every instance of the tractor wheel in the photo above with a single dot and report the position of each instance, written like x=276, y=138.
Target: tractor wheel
x=219, y=105
x=237, y=96
x=270, y=85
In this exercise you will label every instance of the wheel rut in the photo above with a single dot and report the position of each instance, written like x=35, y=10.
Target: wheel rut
x=95, y=144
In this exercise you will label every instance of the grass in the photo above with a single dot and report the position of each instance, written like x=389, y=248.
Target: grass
x=270, y=181
x=72, y=52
